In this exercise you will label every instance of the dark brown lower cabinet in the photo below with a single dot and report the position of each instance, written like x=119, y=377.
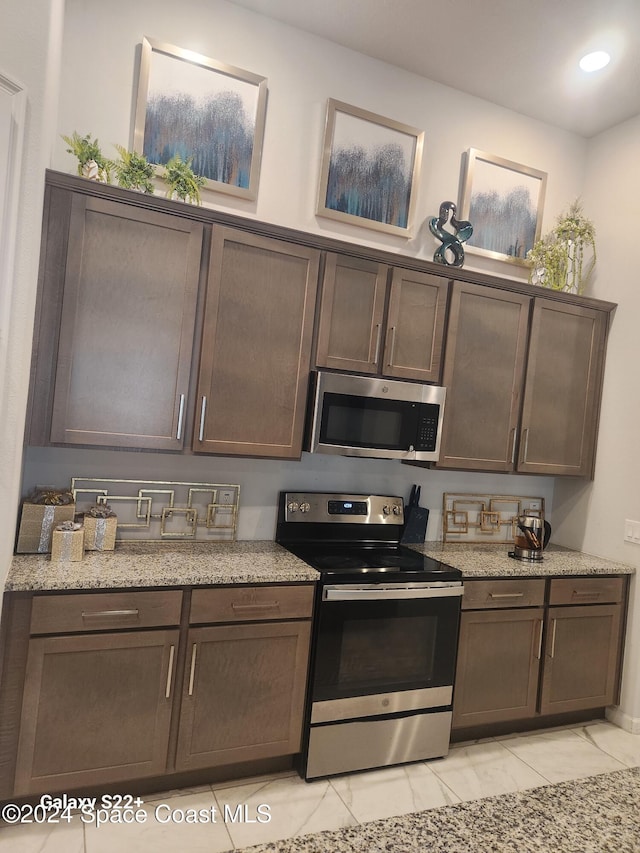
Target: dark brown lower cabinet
x=243, y=695
x=498, y=666
x=96, y=709
x=580, y=665
x=525, y=662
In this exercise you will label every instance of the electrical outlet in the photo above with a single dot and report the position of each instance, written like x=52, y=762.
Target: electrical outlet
x=632, y=531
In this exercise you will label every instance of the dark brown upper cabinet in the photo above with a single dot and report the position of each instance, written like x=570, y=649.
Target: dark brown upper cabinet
x=256, y=346
x=381, y=320
x=562, y=389
x=483, y=374
x=521, y=396
x=127, y=326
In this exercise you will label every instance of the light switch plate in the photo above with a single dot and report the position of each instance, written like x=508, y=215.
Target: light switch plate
x=632, y=531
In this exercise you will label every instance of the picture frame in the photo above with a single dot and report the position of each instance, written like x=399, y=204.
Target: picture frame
x=357, y=144
x=503, y=200
x=200, y=108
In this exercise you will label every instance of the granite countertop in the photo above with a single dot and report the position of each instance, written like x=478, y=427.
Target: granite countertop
x=487, y=561
x=157, y=564
x=152, y=564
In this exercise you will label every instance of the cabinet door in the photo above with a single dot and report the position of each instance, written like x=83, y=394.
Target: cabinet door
x=415, y=327
x=243, y=695
x=562, y=389
x=351, y=314
x=96, y=709
x=127, y=327
x=581, y=658
x=483, y=374
x=498, y=666
x=256, y=347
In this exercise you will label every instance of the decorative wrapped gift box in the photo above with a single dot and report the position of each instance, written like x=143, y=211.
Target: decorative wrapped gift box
x=41, y=513
x=100, y=525
x=67, y=542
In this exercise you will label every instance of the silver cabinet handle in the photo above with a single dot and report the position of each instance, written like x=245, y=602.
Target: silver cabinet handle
x=167, y=692
x=378, y=339
x=393, y=346
x=203, y=411
x=108, y=614
x=180, y=418
x=586, y=593
x=506, y=594
x=553, y=638
x=263, y=605
x=526, y=444
x=513, y=447
x=192, y=672
x=539, y=655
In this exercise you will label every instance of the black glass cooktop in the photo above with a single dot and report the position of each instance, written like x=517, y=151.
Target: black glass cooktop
x=338, y=559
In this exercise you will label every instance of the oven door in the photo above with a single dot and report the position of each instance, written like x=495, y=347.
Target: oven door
x=384, y=649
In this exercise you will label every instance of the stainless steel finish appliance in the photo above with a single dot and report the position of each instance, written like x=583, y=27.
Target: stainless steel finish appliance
x=383, y=418
x=531, y=538
x=385, y=634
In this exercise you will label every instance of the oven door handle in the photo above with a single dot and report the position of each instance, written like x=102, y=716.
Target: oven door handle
x=338, y=593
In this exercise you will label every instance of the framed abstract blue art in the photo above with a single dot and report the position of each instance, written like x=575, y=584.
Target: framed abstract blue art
x=203, y=110
x=370, y=169
x=503, y=201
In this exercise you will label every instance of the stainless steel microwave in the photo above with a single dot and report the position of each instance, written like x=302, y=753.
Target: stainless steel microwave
x=382, y=418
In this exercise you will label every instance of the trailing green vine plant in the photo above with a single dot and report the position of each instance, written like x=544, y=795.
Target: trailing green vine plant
x=183, y=182
x=134, y=172
x=92, y=163
x=565, y=257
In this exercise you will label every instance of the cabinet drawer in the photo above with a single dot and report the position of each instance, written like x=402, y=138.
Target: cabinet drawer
x=251, y=603
x=491, y=594
x=586, y=590
x=57, y=614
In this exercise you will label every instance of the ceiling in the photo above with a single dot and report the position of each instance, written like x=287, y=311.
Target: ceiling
x=520, y=54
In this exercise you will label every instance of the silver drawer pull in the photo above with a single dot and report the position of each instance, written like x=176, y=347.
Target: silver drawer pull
x=180, y=418
x=262, y=605
x=586, y=593
x=192, y=672
x=203, y=412
x=109, y=614
x=167, y=692
x=506, y=594
x=553, y=639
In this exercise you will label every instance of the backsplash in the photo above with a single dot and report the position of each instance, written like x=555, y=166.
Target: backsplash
x=260, y=480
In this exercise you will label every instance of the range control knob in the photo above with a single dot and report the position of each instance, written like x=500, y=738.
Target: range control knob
x=305, y=507
x=396, y=510
x=386, y=510
x=292, y=506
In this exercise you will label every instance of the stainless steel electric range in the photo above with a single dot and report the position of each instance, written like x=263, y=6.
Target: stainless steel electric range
x=385, y=634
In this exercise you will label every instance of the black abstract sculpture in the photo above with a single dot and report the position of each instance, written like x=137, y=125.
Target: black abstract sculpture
x=451, y=242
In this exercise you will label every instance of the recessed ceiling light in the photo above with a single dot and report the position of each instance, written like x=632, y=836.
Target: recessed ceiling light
x=595, y=61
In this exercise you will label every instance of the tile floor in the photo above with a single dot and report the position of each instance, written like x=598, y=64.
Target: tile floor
x=283, y=806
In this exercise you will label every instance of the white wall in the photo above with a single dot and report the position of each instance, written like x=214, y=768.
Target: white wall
x=30, y=38
x=591, y=516
x=97, y=97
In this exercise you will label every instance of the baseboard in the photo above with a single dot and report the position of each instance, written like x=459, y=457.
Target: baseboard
x=616, y=716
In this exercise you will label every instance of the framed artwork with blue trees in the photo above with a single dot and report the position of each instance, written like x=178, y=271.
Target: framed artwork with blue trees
x=503, y=201
x=209, y=113
x=370, y=169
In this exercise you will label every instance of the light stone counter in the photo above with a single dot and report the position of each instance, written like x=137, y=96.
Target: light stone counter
x=161, y=564
x=158, y=564
x=486, y=561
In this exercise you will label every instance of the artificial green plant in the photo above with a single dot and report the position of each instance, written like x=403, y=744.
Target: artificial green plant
x=183, y=183
x=134, y=172
x=565, y=257
x=91, y=161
